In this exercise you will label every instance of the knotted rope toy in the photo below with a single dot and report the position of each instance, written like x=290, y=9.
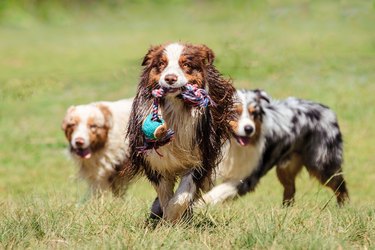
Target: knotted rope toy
x=154, y=128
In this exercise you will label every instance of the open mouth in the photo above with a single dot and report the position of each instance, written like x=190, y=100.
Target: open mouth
x=163, y=91
x=242, y=140
x=172, y=90
x=84, y=153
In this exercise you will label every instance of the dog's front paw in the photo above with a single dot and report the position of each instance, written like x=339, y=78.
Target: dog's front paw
x=176, y=211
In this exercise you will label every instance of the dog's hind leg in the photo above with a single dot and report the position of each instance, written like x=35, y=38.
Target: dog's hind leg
x=333, y=180
x=286, y=173
x=338, y=185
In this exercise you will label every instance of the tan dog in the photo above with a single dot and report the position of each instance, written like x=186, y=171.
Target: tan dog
x=95, y=133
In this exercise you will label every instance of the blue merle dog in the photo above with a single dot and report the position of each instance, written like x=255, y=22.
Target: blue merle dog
x=288, y=134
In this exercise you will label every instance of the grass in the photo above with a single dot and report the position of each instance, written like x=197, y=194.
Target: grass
x=51, y=59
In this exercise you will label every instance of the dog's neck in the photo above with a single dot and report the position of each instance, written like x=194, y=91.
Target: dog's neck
x=182, y=118
x=174, y=111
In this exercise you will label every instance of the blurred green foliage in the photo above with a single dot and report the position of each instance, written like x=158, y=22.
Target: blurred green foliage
x=54, y=11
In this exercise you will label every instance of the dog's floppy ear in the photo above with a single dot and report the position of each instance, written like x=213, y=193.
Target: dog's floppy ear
x=207, y=53
x=147, y=60
x=262, y=95
x=66, y=119
x=108, y=120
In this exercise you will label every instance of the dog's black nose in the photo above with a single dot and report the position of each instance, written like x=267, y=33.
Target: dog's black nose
x=170, y=79
x=248, y=129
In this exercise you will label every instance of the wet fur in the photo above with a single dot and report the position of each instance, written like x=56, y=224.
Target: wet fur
x=198, y=133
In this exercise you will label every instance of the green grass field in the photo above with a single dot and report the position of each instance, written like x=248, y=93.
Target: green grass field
x=55, y=57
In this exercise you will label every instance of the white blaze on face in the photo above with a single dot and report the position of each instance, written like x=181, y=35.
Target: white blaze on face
x=173, y=53
x=82, y=129
x=245, y=119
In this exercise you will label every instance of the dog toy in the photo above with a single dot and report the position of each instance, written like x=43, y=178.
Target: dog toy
x=154, y=128
x=195, y=96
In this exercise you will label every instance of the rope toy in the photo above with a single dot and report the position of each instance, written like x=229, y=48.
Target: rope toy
x=154, y=128
x=195, y=96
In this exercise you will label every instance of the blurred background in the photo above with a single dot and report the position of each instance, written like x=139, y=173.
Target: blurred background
x=57, y=53
x=54, y=54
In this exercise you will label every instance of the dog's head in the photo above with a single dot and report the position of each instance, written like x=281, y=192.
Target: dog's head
x=86, y=128
x=174, y=65
x=249, y=109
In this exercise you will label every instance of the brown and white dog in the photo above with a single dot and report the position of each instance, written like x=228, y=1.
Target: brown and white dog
x=95, y=133
x=288, y=134
x=199, y=134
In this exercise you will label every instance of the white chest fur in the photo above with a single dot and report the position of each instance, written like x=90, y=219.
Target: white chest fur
x=183, y=152
x=239, y=162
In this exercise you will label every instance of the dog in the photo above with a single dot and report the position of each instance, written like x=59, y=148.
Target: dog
x=288, y=134
x=95, y=133
x=199, y=133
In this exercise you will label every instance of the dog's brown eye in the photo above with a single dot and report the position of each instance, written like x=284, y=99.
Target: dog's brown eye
x=252, y=109
x=186, y=65
x=71, y=125
x=93, y=126
x=238, y=108
x=161, y=64
x=255, y=111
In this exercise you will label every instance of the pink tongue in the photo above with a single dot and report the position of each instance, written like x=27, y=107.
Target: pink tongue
x=84, y=153
x=243, y=141
x=88, y=155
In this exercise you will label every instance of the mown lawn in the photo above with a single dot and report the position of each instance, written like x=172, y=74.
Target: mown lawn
x=320, y=50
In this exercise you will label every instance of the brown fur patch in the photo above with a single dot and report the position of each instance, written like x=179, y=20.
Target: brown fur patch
x=238, y=108
x=69, y=123
x=287, y=174
x=98, y=134
x=234, y=125
x=107, y=115
x=252, y=108
x=154, y=61
x=258, y=130
x=191, y=66
x=202, y=53
x=333, y=180
x=152, y=54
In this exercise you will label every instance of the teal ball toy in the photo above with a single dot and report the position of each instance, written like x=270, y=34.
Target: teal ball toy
x=149, y=127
